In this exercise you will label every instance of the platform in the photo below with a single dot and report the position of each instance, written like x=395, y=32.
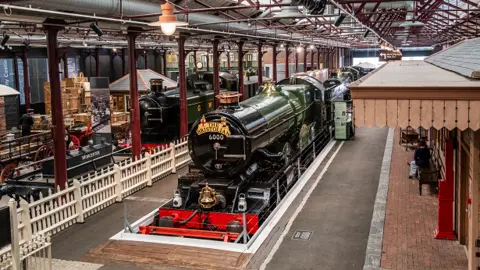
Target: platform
x=338, y=212
x=410, y=220
x=332, y=227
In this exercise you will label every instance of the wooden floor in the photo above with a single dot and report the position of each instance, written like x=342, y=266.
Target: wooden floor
x=148, y=255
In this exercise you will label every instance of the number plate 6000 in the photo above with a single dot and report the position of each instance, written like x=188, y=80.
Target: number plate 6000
x=215, y=137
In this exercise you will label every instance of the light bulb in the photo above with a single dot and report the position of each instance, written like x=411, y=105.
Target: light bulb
x=299, y=49
x=114, y=49
x=168, y=28
x=281, y=45
x=312, y=47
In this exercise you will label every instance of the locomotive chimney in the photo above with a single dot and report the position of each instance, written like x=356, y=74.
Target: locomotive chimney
x=156, y=85
x=229, y=99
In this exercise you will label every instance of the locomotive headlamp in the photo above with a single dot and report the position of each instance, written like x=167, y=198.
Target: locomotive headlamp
x=167, y=21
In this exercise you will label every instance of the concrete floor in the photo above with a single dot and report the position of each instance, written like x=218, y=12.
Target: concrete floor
x=339, y=210
x=74, y=242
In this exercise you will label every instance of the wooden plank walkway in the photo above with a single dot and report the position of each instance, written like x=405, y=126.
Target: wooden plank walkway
x=148, y=255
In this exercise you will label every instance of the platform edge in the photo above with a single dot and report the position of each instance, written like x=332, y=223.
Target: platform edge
x=373, y=254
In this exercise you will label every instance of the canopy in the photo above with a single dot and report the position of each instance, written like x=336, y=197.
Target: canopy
x=7, y=91
x=143, y=80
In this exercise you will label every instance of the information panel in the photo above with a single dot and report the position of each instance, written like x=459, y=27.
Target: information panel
x=340, y=120
x=100, y=108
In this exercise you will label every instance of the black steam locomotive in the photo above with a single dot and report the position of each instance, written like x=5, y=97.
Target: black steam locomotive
x=160, y=110
x=235, y=151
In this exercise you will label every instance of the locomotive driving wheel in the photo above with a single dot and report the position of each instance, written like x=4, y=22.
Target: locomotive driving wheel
x=75, y=142
x=8, y=172
x=42, y=153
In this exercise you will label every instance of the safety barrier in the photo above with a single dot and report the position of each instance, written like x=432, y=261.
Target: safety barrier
x=34, y=253
x=97, y=190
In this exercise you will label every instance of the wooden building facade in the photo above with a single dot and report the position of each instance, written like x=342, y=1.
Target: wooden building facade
x=439, y=97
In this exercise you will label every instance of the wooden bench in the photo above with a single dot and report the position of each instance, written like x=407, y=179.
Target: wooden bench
x=429, y=175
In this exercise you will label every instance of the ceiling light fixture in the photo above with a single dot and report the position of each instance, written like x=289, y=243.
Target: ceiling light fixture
x=340, y=19
x=167, y=21
x=312, y=47
x=4, y=40
x=96, y=29
x=299, y=49
x=114, y=49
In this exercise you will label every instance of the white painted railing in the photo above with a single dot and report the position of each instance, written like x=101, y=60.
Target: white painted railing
x=97, y=190
x=33, y=253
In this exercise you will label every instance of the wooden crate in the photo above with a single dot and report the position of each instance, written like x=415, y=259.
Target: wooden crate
x=82, y=117
x=119, y=117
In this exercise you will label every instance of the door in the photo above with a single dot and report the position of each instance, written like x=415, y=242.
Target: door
x=463, y=193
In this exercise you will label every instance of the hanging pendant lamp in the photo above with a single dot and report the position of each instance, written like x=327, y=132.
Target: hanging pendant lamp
x=167, y=21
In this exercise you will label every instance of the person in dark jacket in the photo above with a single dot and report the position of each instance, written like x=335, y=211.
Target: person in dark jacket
x=421, y=158
x=26, y=122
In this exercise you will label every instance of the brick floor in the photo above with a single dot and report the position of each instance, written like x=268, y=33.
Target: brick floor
x=408, y=241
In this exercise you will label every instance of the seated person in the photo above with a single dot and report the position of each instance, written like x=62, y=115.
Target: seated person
x=421, y=158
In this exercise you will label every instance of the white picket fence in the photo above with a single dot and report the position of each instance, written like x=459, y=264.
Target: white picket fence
x=97, y=190
x=33, y=254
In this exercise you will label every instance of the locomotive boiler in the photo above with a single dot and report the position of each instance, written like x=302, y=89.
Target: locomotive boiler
x=235, y=151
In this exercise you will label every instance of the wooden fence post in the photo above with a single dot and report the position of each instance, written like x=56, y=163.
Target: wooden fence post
x=27, y=229
x=12, y=204
x=172, y=155
x=149, y=169
x=77, y=195
x=118, y=182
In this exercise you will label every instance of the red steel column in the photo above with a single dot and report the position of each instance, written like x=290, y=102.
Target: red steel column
x=123, y=63
x=228, y=62
x=65, y=65
x=145, y=57
x=216, y=72
x=318, y=58
x=260, y=68
x=305, y=59
x=287, y=53
x=194, y=61
x=274, y=62
x=97, y=61
x=446, y=191
x=165, y=63
x=26, y=79
x=241, y=84
x=208, y=62
x=134, y=107
x=312, y=66
x=58, y=126
x=15, y=68
x=296, y=61
x=183, y=87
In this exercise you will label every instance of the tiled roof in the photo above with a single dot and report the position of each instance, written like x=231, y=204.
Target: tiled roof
x=463, y=58
x=409, y=74
x=143, y=81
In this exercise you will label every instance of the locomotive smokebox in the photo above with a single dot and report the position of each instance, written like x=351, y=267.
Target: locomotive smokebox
x=156, y=85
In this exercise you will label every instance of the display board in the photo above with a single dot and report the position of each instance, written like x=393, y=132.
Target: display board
x=390, y=55
x=100, y=109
